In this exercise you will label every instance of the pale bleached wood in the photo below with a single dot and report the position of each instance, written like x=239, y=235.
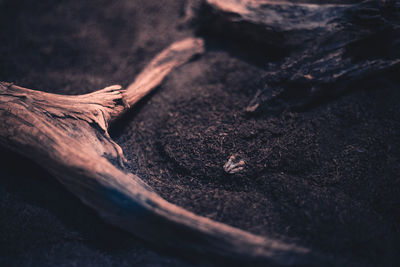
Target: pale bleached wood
x=67, y=136
x=177, y=54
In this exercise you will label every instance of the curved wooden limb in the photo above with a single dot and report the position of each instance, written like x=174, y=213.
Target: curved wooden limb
x=67, y=135
x=153, y=74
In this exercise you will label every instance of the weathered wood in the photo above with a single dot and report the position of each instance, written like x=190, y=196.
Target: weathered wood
x=268, y=22
x=68, y=136
x=330, y=48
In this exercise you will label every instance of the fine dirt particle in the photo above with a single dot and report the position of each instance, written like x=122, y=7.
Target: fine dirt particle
x=326, y=178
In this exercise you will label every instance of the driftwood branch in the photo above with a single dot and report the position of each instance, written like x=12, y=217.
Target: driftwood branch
x=329, y=49
x=68, y=136
x=268, y=22
x=326, y=45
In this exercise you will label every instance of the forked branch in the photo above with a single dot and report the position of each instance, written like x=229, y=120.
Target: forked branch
x=67, y=135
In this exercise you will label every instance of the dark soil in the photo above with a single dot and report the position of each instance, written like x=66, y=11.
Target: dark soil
x=327, y=178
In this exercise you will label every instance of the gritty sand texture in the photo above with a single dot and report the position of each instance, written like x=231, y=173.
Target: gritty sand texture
x=326, y=178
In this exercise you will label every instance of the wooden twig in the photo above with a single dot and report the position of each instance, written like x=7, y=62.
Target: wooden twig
x=68, y=136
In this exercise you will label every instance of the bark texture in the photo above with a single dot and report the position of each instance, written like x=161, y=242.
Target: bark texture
x=68, y=136
x=325, y=47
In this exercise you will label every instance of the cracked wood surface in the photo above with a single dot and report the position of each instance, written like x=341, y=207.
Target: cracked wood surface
x=68, y=136
x=327, y=47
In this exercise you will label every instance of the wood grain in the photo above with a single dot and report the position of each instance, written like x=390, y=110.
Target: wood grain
x=68, y=136
x=326, y=48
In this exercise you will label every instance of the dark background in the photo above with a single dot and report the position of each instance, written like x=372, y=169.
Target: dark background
x=326, y=178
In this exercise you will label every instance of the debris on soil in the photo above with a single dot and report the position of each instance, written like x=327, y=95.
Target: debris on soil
x=306, y=178
x=234, y=164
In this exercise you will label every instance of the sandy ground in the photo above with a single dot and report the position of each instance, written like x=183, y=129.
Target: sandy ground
x=326, y=178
